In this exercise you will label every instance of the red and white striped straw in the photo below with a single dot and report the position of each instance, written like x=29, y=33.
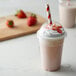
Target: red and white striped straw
x=49, y=14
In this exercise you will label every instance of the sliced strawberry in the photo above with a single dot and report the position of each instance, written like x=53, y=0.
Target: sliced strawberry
x=59, y=26
x=59, y=30
x=10, y=23
x=54, y=28
x=54, y=25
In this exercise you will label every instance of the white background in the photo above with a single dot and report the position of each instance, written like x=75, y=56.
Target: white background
x=21, y=56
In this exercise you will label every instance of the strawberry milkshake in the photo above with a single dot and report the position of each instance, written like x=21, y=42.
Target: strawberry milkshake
x=51, y=38
x=67, y=12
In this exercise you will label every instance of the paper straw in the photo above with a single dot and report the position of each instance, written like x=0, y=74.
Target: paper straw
x=49, y=14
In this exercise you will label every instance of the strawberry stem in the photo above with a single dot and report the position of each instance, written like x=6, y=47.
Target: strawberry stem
x=10, y=23
x=33, y=15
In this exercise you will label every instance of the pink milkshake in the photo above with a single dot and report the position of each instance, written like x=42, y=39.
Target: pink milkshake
x=51, y=43
x=67, y=12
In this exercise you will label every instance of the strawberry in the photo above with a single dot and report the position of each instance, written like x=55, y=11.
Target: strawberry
x=10, y=23
x=54, y=25
x=32, y=20
x=54, y=28
x=20, y=14
x=59, y=30
x=59, y=26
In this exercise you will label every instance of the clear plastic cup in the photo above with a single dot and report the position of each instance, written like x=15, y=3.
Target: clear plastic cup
x=51, y=52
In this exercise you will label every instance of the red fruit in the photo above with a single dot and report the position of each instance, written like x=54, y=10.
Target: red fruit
x=59, y=30
x=54, y=25
x=10, y=23
x=32, y=20
x=21, y=14
x=54, y=28
x=59, y=26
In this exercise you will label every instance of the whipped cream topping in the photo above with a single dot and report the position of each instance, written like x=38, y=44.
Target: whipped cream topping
x=47, y=31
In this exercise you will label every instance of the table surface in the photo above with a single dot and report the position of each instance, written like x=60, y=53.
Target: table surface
x=21, y=56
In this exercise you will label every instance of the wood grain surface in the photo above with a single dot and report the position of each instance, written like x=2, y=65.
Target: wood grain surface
x=21, y=28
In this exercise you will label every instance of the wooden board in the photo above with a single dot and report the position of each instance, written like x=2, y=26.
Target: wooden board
x=20, y=28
